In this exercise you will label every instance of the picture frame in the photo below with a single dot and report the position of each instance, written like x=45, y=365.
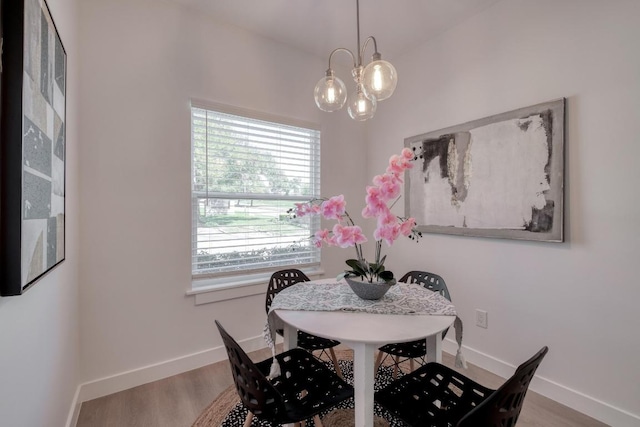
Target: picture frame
x=32, y=145
x=500, y=176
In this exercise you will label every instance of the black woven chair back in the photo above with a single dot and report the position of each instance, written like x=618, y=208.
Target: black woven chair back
x=283, y=279
x=280, y=280
x=431, y=281
x=502, y=407
x=256, y=392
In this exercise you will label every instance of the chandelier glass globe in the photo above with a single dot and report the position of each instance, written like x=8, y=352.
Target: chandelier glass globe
x=330, y=93
x=379, y=79
x=361, y=107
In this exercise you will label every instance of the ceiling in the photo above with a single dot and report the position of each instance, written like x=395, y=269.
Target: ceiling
x=319, y=26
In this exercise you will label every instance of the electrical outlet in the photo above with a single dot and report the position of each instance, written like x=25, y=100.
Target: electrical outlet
x=482, y=319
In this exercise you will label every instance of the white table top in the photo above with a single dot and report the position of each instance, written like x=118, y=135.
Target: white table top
x=366, y=327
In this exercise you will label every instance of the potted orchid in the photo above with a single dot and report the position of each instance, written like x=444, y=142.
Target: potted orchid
x=380, y=198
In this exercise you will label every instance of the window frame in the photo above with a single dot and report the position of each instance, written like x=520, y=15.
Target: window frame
x=235, y=284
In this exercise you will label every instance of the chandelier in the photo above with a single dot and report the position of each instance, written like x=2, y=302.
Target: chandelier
x=375, y=82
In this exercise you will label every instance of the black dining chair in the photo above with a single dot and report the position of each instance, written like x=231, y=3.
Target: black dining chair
x=283, y=279
x=435, y=395
x=304, y=388
x=413, y=350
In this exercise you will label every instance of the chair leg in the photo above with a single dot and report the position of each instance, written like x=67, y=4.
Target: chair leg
x=396, y=359
x=379, y=360
x=247, y=421
x=302, y=423
x=316, y=421
x=335, y=363
x=411, y=365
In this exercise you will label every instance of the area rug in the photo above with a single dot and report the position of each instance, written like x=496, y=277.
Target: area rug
x=227, y=411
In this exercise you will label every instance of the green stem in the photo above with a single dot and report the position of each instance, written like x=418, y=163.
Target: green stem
x=351, y=222
x=394, y=202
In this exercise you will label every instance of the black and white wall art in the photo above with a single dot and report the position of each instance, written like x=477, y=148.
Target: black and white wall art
x=501, y=176
x=32, y=145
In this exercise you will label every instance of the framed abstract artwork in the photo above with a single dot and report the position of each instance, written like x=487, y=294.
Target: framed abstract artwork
x=32, y=145
x=500, y=176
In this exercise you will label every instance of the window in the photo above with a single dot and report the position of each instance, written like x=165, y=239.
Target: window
x=247, y=173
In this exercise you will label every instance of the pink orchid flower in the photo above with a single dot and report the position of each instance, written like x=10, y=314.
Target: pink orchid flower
x=334, y=208
x=375, y=201
x=348, y=235
x=367, y=212
x=380, y=180
x=385, y=217
x=320, y=236
x=389, y=185
x=395, y=165
x=398, y=164
x=407, y=154
x=301, y=209
x=331, y=241
x=388, y=233
x=407, y=227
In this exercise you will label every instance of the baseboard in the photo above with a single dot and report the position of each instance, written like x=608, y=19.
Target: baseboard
x=74, y=411
x=133, y=378
x=574, y=399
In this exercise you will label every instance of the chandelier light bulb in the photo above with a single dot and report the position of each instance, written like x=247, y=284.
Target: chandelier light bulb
x=330, y=93
x=376, y=81
x=379, y=78
x=361, y=107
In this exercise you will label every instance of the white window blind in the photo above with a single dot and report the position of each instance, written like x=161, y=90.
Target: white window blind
x=246, y=174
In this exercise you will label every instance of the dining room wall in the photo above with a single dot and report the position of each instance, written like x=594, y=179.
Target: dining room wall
x=39, y=330
x=578, y=297
x=142, y=63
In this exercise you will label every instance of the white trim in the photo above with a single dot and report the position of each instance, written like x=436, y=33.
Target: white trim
x=574, y=399
x=248, y=196
x=253, y=114
x=74, y=410
x=135, y=377
x=231, y=287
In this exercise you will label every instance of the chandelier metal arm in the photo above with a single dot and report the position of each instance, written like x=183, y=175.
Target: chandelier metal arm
x=364, y=46
x=343, y=49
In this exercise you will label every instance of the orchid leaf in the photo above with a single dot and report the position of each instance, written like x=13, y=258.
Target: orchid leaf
x=377, y=269
x=357, y=267
x=364, y=266
x=386, y=275
x=353, y=263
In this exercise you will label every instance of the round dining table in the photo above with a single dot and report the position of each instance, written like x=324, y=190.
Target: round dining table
x=364, y=333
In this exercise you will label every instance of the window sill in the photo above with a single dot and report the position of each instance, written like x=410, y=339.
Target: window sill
x=232, y=287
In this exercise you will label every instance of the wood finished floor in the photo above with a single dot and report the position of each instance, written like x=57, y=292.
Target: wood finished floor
x=177, y=401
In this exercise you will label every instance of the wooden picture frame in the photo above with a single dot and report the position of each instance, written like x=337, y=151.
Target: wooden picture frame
x=32, y=145
x=501, y=176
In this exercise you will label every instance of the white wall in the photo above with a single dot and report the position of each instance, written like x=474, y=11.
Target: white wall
x=39, y=351
x=142, y=61
x=580, y=297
